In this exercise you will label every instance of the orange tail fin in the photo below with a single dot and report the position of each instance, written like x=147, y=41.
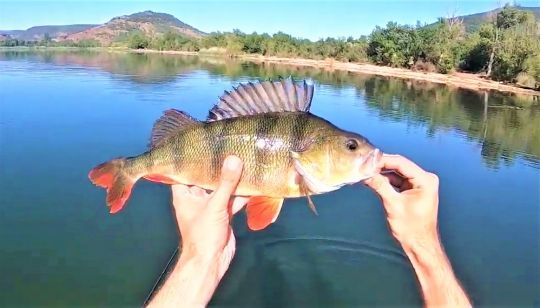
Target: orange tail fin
x=111, y=176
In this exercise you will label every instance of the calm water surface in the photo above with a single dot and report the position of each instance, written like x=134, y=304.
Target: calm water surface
x=62, y=113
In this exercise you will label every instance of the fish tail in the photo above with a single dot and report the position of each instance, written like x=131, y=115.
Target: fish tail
x=113, y=176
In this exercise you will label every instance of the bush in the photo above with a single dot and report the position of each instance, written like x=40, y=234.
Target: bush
x=442, y=44
x=530, y=77
x=174, y=41
x=515, y=47
x=423, y=66
x=138, y=41
x=395, y=45
x=476, y=55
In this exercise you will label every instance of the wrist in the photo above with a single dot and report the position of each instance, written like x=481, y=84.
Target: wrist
x=192, y=281
x=418, y=238
x=218, y=259
x=192, y=253
x=425, y=252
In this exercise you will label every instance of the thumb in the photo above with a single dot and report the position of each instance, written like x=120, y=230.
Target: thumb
x=230, y=176
x=381, y=185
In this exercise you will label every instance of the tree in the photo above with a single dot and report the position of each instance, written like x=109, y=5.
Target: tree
x=395, y=45
x=507, y=18
x=515, y=46
x=442, y=44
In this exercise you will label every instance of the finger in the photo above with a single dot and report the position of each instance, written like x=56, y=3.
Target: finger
x=238, y=203
x=197, y=191
x=395, y=179
x=230, y=176
x=399, y=183
x=179, y=191
x=381, y=185
x=402, y=165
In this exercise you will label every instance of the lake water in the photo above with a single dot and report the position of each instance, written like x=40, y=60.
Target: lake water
x=61, y=113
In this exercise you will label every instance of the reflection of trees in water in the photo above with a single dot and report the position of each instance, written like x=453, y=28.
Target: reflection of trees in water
x=503, y=133
x=134, y=67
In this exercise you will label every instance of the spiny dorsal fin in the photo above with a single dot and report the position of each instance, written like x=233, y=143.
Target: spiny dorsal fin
x=262, y=97
x=171, y=122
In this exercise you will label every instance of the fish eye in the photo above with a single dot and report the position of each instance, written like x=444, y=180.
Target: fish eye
x=351, y=145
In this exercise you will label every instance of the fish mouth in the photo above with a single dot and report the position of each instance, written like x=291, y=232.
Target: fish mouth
x=370, y=165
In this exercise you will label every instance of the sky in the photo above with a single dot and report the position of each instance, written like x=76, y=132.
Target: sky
x=307, y=19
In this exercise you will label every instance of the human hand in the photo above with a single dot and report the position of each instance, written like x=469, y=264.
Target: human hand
x=204, y=218
x=410, y=197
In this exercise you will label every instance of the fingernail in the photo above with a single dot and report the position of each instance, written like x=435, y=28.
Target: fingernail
x=232, y=163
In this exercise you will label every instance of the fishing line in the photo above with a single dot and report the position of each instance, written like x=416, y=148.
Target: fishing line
x=161, y=278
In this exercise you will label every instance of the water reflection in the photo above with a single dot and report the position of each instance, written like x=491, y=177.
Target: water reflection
x=137, y=68
x=505, y=127
x=503, y=131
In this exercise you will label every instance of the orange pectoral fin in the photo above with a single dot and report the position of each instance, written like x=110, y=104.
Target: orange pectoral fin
x=262, y=211
x=160, y=179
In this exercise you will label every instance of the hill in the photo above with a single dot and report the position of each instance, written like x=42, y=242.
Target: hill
x=472, y=22
x=148, y=22
x=38, y=33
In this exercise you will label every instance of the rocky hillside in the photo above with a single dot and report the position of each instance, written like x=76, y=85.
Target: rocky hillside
x=148, y=22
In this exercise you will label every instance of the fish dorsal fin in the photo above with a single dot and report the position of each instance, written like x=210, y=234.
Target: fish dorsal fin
x=171, y=122
x=263, y=97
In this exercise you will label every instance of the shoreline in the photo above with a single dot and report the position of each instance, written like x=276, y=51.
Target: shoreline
x=457, y=79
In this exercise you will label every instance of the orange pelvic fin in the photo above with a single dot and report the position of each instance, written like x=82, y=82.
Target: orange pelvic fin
x=305, y=191
x=118, y=184
x=160, y=179
x=262, y=211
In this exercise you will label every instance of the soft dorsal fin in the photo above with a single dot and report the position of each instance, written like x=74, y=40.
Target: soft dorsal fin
x=171, y=122
x=262, y=97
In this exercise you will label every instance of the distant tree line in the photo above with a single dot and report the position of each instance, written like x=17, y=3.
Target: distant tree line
x=506, y=48
x=237, y=42
x=47, y=42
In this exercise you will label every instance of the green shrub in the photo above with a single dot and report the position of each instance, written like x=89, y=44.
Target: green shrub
x=138, y=41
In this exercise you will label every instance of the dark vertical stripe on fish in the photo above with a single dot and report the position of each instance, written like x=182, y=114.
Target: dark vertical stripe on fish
x=149, y=161
x=180, y=151
x=299, y=128
x=215, y=139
